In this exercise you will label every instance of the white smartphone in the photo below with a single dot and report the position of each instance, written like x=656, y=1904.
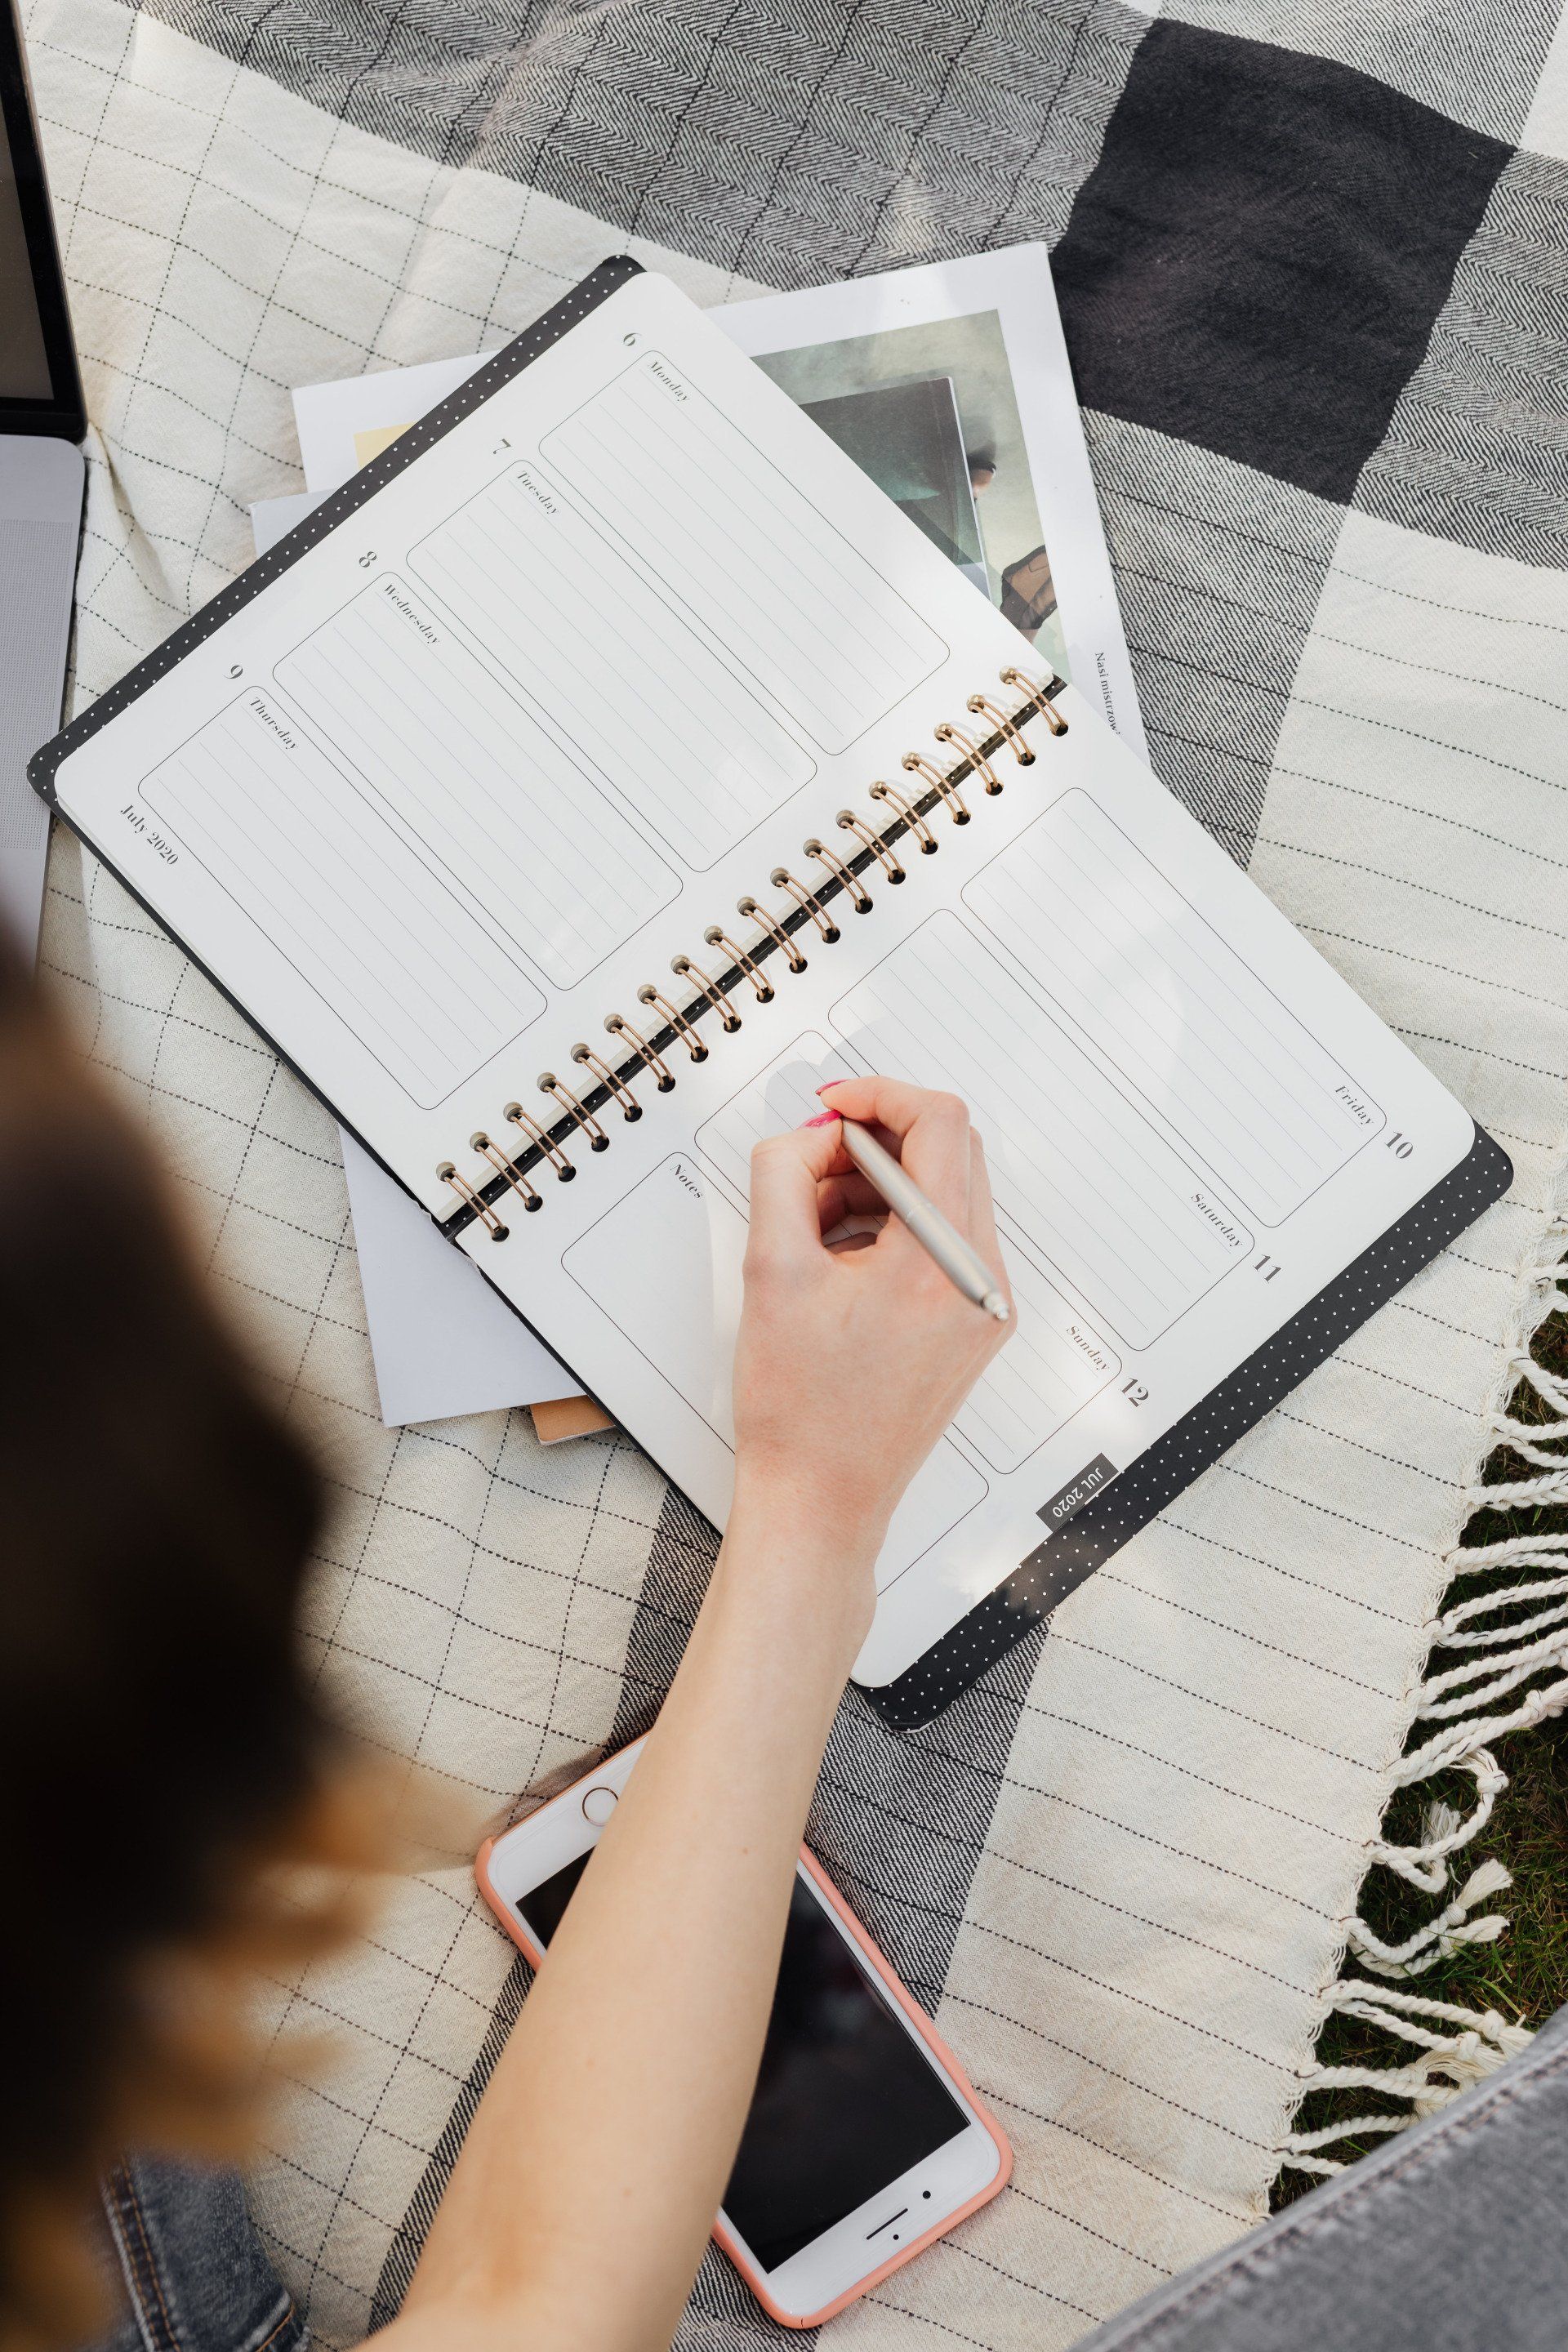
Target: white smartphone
x=864, y=2140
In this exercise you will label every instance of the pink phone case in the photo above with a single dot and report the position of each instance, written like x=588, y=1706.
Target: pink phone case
x=512, y=1923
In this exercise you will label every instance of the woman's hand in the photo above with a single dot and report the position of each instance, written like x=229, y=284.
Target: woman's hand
x=583, y=2196
x=852, y=1361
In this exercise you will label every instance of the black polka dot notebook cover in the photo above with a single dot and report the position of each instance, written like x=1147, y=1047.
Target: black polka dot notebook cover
x=610, y=765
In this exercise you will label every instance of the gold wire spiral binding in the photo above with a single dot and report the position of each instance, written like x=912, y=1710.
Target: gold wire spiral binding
x=807, y=901
x=873, y=842
x=740, y=958
x=1037, y=694
x=466, y=1195
x=953, y=798
x=482, y=1143
x=618, y=1027
x=647, y=994
x=537, y=1136
x=859, y=897
x=911, y=815
x=729, y=1018
x=630, y=1106
x=1040, y=696
x=548, y=1083
x=1003, y=727
x=972, y=752
x=776, y=932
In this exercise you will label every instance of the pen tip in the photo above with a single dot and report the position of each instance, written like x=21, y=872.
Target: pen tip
x=997, y=1306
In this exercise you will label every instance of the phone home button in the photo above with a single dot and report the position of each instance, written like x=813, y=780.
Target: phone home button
x=598, y=1804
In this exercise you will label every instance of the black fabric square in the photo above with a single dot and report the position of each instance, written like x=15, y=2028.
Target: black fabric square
x=1256, y=260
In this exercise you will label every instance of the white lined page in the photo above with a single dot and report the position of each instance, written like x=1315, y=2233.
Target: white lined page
x=617, y=667
x=664, y=1264
x=694, y=665
x=1074, y=1162
x=488, y=791
x=1054, y=1361
x=1174, y=1007
x=803, y=611
x=779, y=1097
x=389, y=949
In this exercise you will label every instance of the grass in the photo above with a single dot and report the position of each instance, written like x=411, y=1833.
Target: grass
x=1524, y=1975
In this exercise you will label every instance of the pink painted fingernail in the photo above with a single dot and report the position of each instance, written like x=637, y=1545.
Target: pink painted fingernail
x=822, y=1119
x=832, y=1082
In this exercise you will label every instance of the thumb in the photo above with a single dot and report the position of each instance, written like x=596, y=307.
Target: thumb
x=786, y=1169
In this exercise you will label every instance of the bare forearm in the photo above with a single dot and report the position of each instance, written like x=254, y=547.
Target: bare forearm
x=577, y=2212
x=600, y=2152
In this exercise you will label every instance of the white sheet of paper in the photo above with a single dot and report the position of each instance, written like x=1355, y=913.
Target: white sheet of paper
x=444, y=1342
x=273, y=519
x=1169, y=1203
x=330, y=417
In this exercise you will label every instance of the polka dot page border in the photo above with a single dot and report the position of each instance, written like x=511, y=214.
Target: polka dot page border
x=498, y=370
x=1055, y=1567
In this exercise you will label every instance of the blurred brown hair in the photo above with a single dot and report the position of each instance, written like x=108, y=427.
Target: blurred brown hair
x=160, y=1742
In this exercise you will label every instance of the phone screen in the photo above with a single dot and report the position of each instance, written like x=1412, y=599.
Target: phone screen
x=845, y=2101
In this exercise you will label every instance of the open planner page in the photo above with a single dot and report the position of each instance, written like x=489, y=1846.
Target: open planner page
x=563, y=693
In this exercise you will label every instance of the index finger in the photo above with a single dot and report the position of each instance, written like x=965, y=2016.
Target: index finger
x=931, y=1129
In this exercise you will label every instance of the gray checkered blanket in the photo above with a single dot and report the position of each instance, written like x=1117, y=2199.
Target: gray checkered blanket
x=1312, y=265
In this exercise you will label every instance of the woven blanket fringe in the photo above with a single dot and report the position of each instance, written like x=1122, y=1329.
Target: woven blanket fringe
x=1456, y=2047
x=1509, y=1675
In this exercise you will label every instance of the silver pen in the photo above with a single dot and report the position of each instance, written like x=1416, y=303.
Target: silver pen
x=958, y=1260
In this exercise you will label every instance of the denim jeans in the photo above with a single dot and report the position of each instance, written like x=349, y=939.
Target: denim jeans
x=193, y=2275
x=1451, y=2238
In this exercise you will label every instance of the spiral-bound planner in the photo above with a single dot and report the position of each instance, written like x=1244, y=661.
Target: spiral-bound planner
x=608, y=765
